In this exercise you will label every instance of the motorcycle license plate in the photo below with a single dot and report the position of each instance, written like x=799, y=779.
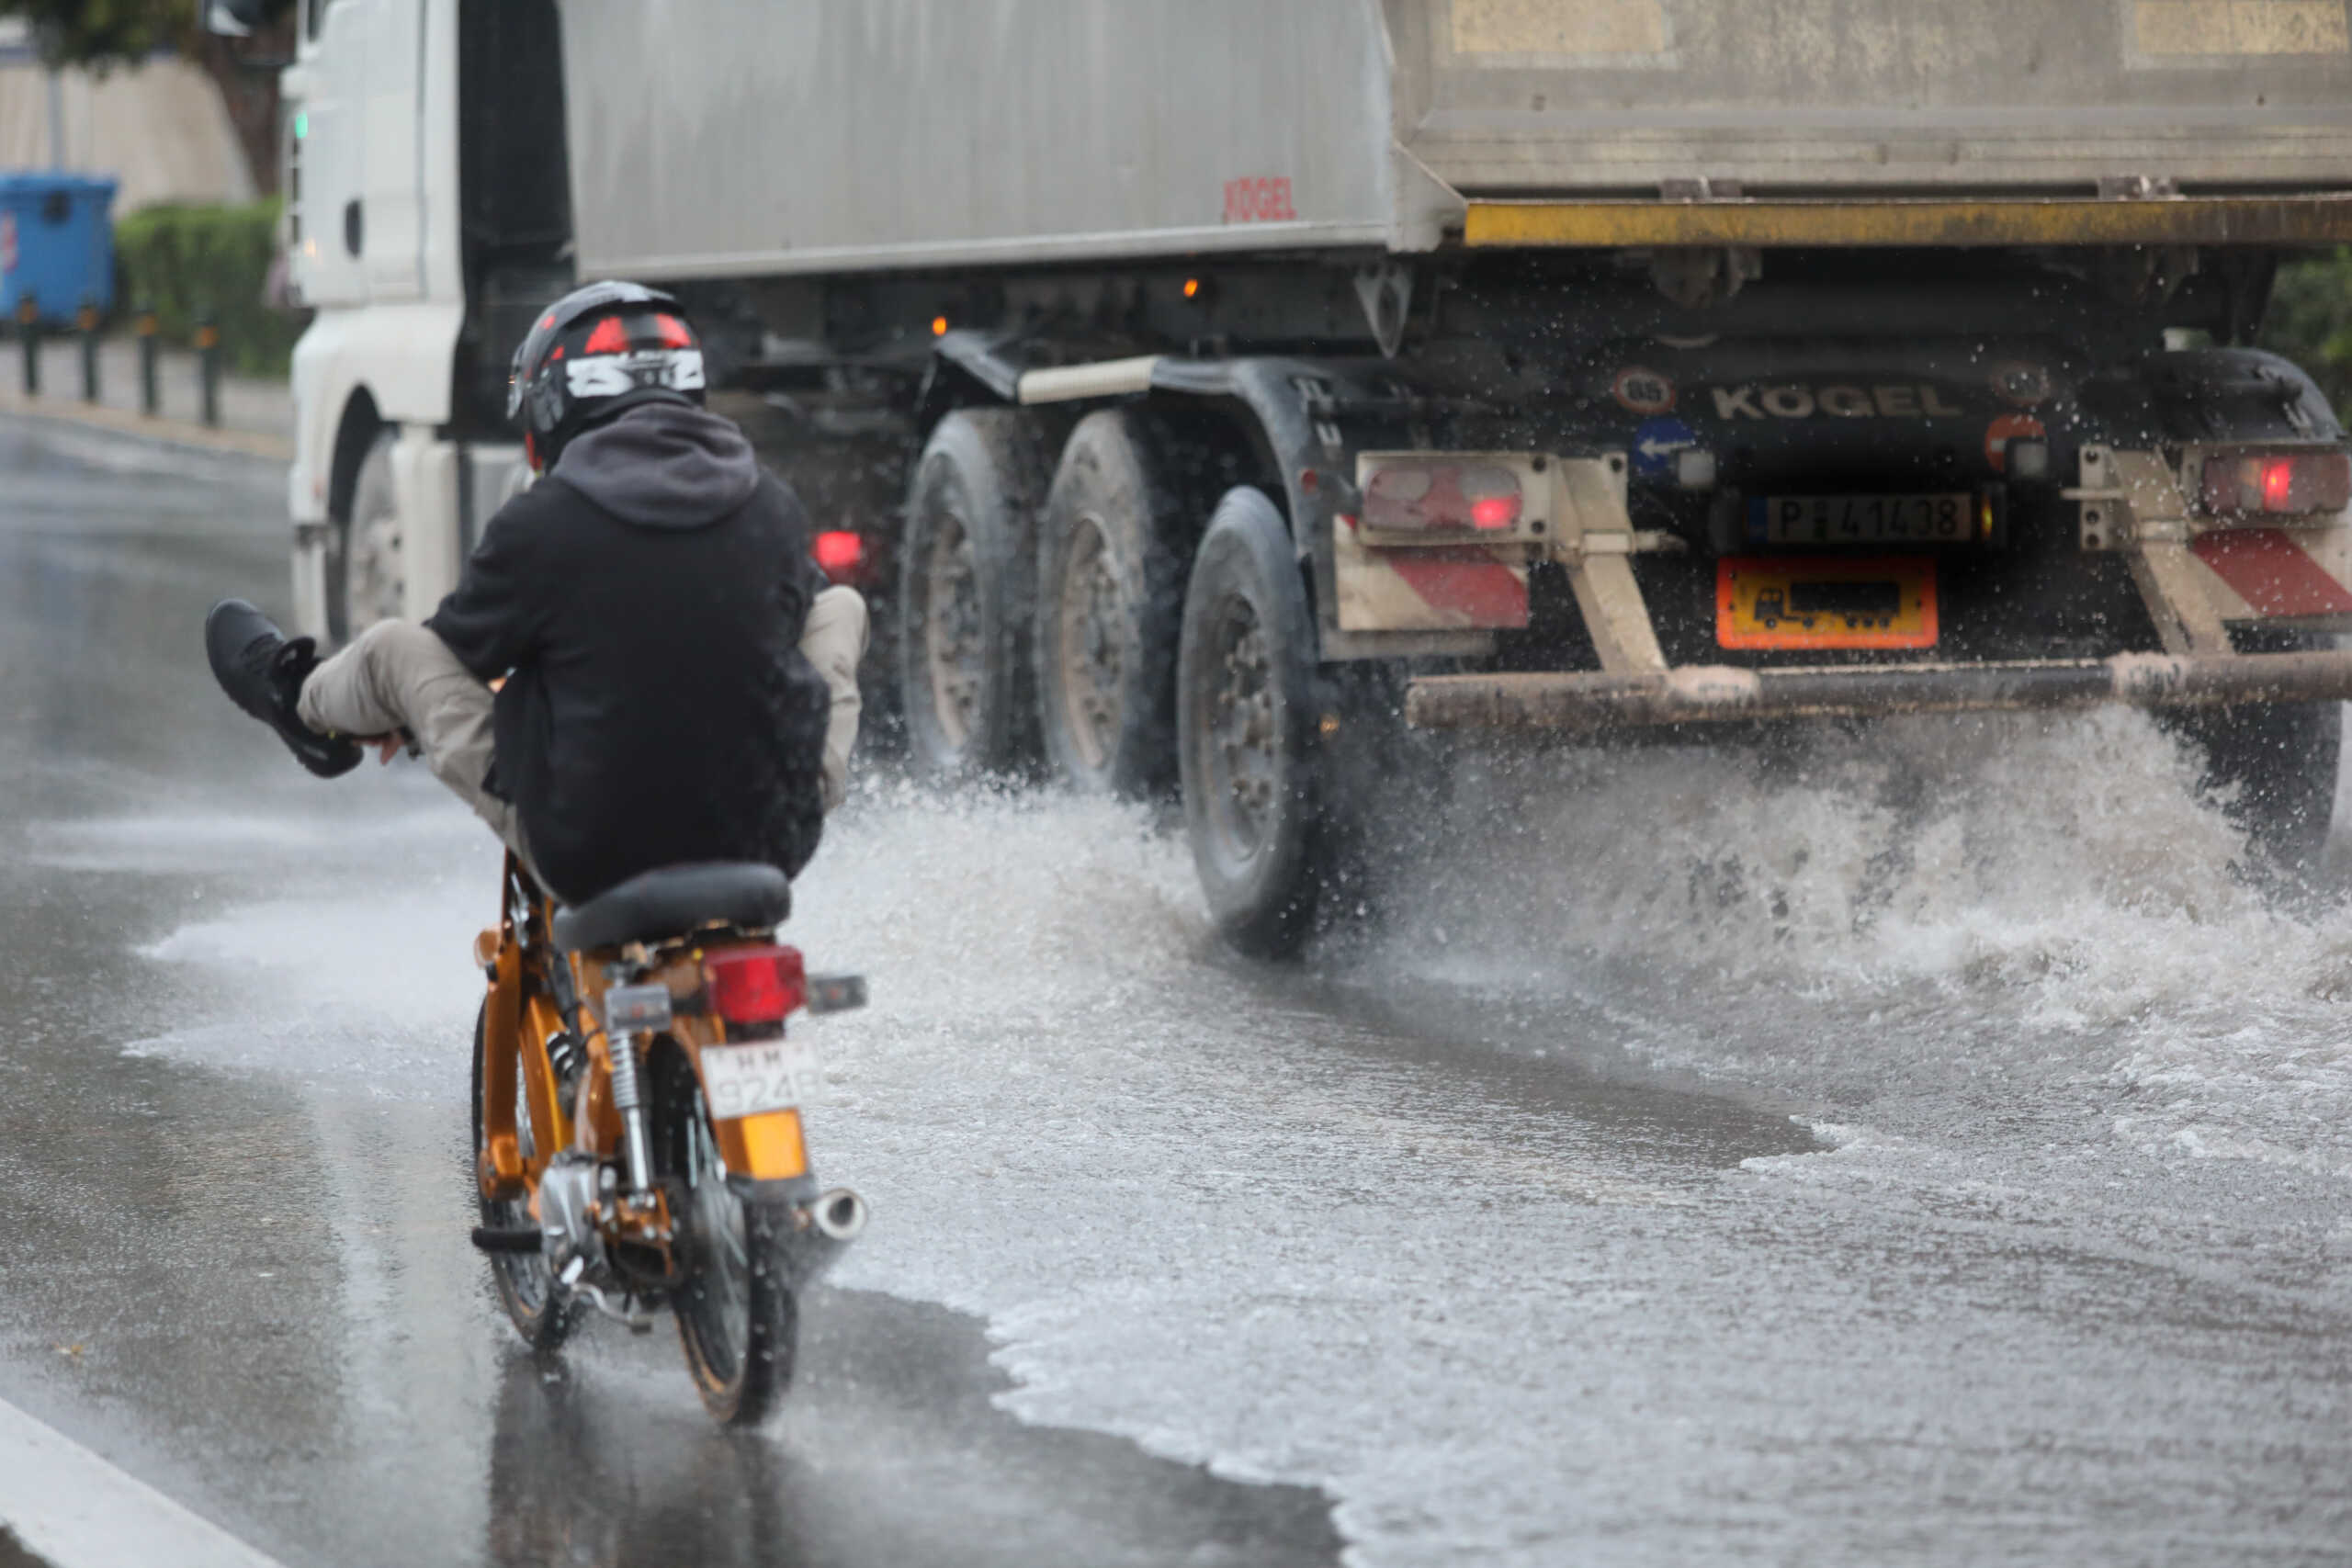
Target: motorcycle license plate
x=1767, y=602
x=768, y=1075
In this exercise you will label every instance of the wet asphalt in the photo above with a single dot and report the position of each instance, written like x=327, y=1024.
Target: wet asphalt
x=1518, y=1265
x=256, y=1294
x=251, y=1288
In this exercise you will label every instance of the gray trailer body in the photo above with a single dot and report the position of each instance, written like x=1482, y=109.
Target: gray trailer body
x=735, y=137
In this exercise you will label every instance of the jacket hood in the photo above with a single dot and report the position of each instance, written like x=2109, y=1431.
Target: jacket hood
x=662, y=466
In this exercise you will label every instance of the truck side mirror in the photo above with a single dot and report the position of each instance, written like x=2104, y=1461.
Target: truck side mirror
x=231, y=19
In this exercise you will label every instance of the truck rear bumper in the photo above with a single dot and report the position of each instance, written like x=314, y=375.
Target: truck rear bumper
x=1585, y=701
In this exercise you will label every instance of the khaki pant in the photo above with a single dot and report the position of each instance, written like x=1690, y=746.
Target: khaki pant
x=397, y=676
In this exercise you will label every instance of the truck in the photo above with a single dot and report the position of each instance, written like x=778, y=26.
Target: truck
x=1256, y=400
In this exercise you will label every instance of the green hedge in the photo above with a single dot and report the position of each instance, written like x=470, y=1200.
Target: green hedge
x=190, y=259
x=2310, y=321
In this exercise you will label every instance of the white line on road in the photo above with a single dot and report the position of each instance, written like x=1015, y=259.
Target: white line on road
x=72, y=1508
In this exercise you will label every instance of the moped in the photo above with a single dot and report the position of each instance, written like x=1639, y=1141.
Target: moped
x=639, y=1141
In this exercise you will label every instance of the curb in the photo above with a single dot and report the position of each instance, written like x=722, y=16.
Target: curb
x=140, y=427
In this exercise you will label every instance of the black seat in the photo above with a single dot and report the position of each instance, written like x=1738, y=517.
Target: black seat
x=671, y=902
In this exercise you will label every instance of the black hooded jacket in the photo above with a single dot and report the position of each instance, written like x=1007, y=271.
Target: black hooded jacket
x=646, y=602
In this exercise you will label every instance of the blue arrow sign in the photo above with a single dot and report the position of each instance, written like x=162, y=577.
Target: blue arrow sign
x=1656, y=442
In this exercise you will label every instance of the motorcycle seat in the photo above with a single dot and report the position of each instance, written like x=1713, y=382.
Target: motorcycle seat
x=659, y=905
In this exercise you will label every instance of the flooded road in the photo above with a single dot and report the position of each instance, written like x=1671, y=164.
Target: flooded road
x=1916, y=1148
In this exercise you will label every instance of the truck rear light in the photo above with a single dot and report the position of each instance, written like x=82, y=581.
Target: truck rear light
x=2279, y=483
x=756, y=985
x=839, y=553
x=1418, y=497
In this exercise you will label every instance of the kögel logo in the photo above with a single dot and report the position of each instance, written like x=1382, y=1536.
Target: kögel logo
x=1259, y=199
x=1910, y=400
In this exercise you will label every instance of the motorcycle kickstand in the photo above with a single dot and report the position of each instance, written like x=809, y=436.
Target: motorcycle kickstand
x=626, y=1313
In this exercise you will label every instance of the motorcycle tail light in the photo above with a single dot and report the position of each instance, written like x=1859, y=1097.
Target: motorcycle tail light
x=756, y=985
x=2284, y=484
x=1416, y=497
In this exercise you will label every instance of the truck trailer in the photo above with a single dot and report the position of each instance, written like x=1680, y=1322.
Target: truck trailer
x=1246, y=396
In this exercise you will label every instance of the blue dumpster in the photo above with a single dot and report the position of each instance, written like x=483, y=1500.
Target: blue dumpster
x=56, y=244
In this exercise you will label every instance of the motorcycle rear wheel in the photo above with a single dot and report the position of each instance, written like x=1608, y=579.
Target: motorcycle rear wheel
x=535, y=1303
x=737, y=1320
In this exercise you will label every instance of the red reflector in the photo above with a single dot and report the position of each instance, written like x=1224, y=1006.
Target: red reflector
x=610, y=337
x=674, y=333
x=756, y=985
x=2285, y=484
x=2278, y=484
x=841, y=553
x=1410, y=497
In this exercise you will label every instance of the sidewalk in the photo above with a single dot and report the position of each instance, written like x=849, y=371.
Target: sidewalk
x=257, y=417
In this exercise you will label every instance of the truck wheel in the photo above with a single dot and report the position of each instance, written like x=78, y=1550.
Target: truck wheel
x=964, y=594
x=1246, y=731
x=2279, y=762
x=366, y=573
x=1110, y=607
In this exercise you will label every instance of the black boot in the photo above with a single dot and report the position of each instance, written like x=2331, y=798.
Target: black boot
x=262, y=673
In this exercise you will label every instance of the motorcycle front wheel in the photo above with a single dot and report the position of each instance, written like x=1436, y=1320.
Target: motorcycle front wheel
x=539, y=1309
x=737, y=1318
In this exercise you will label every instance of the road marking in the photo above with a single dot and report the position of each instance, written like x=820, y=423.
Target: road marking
x=69, y=1507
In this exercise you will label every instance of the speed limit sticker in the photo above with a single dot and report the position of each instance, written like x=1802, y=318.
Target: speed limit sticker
x=1642, y=391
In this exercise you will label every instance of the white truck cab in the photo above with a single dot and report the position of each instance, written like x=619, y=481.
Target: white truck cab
x=393, y=472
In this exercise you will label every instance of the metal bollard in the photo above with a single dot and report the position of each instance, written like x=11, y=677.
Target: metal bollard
x=150, y=399
x=208, y=364
x=28, y=338
x=86, y=320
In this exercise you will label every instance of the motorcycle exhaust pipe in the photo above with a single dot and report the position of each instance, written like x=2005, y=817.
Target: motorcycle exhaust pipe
x=833, y=1222
x=839, y=1215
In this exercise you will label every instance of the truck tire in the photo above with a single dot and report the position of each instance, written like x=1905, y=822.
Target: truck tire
x=2276, y=764
x=366, y=572
x=1246, y=720
x=1110, y=608
x=965, y=597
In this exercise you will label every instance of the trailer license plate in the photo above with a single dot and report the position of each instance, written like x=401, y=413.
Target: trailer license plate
x=1767, y=602
x=1945, y=519
x=770, y=1075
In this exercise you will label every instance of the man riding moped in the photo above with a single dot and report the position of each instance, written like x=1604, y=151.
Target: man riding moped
x=653, y=606
x=677, y=698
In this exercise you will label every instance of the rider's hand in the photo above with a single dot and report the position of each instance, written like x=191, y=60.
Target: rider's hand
x=389, y=747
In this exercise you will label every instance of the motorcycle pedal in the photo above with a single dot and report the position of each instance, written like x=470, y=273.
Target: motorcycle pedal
x=489, y=1240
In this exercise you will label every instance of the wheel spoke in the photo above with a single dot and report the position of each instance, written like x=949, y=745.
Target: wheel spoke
x=717, y=1302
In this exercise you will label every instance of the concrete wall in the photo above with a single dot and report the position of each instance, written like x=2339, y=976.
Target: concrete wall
x=160, y=129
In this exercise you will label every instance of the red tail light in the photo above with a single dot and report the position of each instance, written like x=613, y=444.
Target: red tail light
x=839, y=553
x=2282, y=483
x=1414, y=497
x=756, y=985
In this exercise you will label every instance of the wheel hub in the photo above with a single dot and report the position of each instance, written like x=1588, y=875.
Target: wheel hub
x=1241, y=731
x=376, y=587
x=1094, y=622
x=951, y=631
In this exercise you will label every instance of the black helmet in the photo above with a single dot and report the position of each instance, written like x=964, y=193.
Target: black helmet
x=595, y=352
